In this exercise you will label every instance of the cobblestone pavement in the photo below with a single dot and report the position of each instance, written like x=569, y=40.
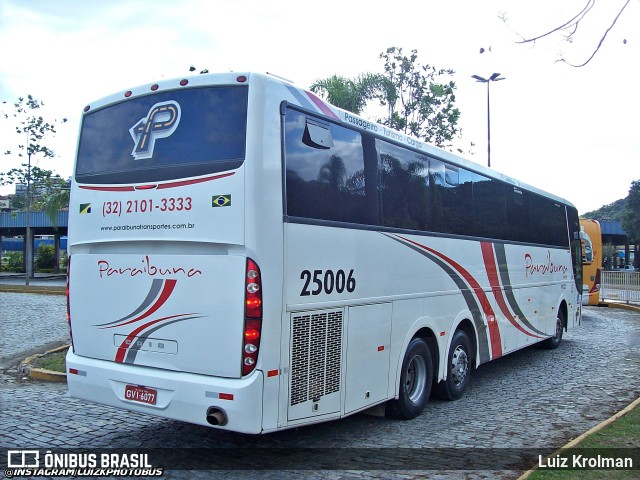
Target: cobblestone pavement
x=29, y=322
x=534, y=398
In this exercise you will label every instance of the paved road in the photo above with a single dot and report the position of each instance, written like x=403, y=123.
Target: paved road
x=534, y=398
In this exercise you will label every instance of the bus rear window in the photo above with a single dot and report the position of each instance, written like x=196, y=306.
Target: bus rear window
x=176, y=134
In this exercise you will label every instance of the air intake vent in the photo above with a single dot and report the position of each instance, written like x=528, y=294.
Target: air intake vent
x=315, y=355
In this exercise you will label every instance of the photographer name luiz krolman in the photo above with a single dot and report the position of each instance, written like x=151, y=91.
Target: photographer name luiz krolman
x=33, y=463
x=579, y=461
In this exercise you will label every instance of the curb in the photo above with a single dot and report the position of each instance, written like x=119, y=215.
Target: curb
x=50, y=290
x=623, y=306
x=25, y=367
x=576, y=441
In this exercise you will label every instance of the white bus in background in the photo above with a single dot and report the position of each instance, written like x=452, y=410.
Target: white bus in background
x=247, y=256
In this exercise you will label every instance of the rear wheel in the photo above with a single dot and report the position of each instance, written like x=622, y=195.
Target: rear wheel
x=458, y=368
x=415, y=381
x=556, y=340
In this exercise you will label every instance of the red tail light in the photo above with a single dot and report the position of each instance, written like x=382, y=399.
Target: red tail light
x=596, y=283
x=68, y=300
x=252, y=316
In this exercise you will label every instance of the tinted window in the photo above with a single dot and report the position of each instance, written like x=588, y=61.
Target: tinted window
x=550, y=222
x=518, y=214
x=404, y=188
x=325, y=172
x=173, y=134
x=576, y=245
x=338, y=174
x=452, y=198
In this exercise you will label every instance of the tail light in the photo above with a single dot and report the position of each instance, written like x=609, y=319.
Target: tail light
x=596, y=283
x=68, y=300
x=252, y=316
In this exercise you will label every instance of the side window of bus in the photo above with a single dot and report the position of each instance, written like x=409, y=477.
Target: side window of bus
x=551, y=221
x=489, y=208
x=518, y=215
x=452, y=198
x=325, y=173
x=403, y=188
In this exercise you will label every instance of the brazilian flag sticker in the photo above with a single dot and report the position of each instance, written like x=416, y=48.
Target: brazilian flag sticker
x=85, y=208
x=221, y=201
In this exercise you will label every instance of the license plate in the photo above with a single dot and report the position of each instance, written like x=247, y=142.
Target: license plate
x=140, y=394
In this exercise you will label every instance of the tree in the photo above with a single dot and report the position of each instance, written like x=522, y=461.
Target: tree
x=349, y=94
x=570, y=27
x=417, y=103
x=36, y=130
x=631, y=217
x=47, y=187
x=31, y=125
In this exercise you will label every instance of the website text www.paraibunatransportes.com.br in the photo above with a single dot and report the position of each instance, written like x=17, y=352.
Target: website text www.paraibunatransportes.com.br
x=153, y=226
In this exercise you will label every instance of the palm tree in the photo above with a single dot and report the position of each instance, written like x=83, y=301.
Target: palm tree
x=349, y=94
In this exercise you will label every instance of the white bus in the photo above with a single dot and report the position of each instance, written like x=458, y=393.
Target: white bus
x=244, y=255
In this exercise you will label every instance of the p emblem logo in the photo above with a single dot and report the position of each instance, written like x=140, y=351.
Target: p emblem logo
x=161, y=121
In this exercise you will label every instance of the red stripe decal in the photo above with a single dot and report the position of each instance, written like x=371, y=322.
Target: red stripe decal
x=131, y=188
x=324, y=108
x=167, y=289
x=128, y=188
x=193, y=182
x=494, y=330
x=492, y=275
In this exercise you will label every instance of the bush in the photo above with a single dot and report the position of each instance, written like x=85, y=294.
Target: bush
x=45, y=257
x=12, y=262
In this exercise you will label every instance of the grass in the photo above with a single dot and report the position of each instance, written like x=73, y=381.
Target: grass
x=53, y=361
x=624, y=433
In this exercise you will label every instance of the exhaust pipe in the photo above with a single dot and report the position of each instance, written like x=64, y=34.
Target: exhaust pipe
x=217, y=417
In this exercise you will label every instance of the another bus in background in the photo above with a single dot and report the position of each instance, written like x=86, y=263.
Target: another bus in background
x=591, y=261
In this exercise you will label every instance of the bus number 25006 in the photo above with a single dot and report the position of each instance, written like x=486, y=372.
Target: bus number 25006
x=327, y=281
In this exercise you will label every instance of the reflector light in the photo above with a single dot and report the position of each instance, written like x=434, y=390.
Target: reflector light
x=73, y=371
x=225, y=396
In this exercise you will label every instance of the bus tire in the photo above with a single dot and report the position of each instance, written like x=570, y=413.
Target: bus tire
x=555, y=341
x=459, y=367
x=416, y=379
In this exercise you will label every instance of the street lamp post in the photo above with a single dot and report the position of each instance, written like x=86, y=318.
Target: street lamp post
x=493, y=78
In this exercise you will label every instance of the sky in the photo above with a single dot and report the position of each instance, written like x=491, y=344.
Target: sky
x=573, y=132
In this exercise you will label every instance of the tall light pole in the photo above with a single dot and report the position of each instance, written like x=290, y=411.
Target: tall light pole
x=493, y=78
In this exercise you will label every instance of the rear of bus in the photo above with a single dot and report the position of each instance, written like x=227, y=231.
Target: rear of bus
x=165, y=279
x=592, y=262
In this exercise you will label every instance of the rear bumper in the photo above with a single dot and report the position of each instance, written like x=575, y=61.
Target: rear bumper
x=180, y=396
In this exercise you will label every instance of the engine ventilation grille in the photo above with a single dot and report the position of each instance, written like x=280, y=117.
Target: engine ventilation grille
x=315, y=355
